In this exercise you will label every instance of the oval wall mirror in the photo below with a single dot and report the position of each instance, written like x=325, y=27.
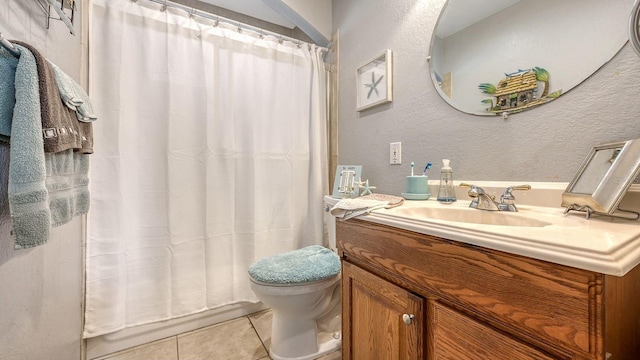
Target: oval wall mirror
x=634, y=27
x=489, y=57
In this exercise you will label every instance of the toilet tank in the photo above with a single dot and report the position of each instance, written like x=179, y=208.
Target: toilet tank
x=330, y=222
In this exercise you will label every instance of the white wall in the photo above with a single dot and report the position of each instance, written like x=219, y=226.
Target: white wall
x=316, y=12
x=40, y=288
x=313, y=17
x=544, y=144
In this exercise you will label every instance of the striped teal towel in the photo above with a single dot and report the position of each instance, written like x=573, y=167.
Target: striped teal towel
x=67, y=185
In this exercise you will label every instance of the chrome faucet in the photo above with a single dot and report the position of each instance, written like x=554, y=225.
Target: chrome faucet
x=483, y=201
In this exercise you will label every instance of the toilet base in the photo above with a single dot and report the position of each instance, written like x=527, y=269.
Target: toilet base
x=295, y=338
x=324, y=348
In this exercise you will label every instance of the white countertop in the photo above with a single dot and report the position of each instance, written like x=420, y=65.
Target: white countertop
x=600, y=244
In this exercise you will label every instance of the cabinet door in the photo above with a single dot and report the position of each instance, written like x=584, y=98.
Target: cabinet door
x=458, y=337
x=380, y=319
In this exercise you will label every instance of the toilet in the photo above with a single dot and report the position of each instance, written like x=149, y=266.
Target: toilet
x=302, y=288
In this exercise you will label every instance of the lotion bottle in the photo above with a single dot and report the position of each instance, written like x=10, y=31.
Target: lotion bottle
x=446, y=192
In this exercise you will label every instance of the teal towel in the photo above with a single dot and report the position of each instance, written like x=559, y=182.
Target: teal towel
x=8, y=63
x=67, y=185
x=76, y=99
x=26, y=189
x=311, y=263
x=74, y=95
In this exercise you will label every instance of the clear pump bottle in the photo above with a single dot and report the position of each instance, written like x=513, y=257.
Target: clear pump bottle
x=446, y=192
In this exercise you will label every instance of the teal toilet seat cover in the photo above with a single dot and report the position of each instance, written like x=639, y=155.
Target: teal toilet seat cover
x=311, y=263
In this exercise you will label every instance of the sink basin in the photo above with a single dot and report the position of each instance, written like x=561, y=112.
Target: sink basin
x=467, y=215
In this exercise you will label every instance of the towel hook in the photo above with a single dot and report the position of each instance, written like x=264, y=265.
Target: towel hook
x=9, y=46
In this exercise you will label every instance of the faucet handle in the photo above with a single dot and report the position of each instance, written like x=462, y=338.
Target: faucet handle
x=476, y=191
x=507, y=195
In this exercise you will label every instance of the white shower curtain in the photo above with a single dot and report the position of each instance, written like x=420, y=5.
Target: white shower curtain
x=210, y=153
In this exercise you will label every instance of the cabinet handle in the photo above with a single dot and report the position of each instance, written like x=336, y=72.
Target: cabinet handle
x=407, y=318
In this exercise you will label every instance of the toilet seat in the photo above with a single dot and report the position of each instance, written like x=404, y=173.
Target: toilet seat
x=293, y=289
x=304, y=266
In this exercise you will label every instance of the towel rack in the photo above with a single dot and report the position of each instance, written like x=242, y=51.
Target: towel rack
x=9, y=46
x=48, y=4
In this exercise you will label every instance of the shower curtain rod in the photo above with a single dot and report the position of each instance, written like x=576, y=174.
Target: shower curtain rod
x=9, y=46
x=206, y=15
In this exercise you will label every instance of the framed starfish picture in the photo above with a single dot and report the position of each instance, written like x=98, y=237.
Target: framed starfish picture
x=374, y=82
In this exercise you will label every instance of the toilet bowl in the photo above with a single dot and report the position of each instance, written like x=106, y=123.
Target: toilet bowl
x=302, y=288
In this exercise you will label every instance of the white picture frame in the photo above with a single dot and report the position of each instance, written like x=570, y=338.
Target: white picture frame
x=344, y=185
x=374, y=82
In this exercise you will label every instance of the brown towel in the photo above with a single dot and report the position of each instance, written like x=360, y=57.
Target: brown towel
x=60, y=128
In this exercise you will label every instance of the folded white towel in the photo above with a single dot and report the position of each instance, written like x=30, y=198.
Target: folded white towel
x=348, y=208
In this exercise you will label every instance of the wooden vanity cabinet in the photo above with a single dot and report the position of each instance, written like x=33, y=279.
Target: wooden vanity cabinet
x=386, y=321
x=461, y=301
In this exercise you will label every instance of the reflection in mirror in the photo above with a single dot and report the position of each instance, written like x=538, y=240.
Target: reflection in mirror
x=604, y=178
x=593, y=174
x=552, y=45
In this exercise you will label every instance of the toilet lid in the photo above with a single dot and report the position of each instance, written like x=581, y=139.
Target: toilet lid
x=311, y=263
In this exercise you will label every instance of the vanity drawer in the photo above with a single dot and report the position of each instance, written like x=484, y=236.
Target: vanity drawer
x=527, y=298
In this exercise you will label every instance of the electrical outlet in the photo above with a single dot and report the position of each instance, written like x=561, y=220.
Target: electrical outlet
x=395, y=153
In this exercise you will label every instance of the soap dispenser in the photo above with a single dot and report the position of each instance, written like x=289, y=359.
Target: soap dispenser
x=446, y=192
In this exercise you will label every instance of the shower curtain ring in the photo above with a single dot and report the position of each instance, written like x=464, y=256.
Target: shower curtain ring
x=164, y=6
x=192, y=13
x=239, y=28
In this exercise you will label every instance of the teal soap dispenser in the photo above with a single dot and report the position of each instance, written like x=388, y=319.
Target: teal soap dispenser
x=446, y=192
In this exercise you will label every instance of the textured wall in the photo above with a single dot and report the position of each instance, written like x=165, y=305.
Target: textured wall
x=41, y=288
x=544, y=144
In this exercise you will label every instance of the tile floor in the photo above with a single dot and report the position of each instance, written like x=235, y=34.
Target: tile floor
x=245, y=338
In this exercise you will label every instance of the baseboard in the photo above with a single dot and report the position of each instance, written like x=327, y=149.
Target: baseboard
x=138, y=335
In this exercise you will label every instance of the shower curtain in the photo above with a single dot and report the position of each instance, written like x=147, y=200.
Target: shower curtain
x=210, y=153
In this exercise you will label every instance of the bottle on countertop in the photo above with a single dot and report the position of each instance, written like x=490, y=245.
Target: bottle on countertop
x=446, y=192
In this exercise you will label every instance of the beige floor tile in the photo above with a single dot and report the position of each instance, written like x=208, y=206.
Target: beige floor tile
x=231, y=340
x=262, y=323
x=166, y=349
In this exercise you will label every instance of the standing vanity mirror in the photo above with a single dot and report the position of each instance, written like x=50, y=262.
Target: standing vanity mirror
x=603, y=179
